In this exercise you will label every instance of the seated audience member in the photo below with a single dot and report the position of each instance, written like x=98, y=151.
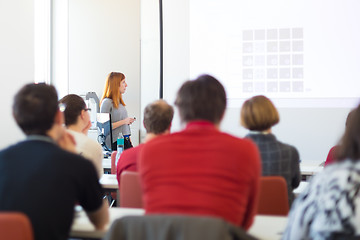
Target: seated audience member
x=40, y=178
x=259, y=115
x=332, y=153
x=77, y=121
x=329, y=208
x=157, y=121
x=201, y=170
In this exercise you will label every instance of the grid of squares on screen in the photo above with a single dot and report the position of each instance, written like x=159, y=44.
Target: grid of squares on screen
x=273, y=60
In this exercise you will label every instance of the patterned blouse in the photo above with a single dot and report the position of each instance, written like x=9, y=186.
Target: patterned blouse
x=330, y=206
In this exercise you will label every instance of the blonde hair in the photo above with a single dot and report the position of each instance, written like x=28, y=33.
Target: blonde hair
x=258, y=113
x=111, y=89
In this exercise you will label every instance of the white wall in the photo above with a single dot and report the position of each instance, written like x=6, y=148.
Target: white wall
x=176, y=51
x=60, y=46
x=150, y=55
x=16, y=60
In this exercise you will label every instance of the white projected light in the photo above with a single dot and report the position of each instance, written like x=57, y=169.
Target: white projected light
x=283, y=49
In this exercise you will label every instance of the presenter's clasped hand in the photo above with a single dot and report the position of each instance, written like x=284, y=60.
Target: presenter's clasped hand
x=129, y=120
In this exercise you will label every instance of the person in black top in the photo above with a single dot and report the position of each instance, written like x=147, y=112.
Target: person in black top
x=41, y=176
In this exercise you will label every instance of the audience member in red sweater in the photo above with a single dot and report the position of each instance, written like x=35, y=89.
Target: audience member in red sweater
x=157, y=121
x=201, y=170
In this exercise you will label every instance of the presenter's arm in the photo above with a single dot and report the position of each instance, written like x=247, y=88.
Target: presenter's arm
x=100, y=217
x=127, y=121
x=106, y=106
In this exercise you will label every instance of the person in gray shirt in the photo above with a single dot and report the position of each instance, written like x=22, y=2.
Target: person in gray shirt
x=113, y=103
x=258, y=114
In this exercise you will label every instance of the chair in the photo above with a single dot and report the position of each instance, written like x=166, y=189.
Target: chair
x=130, y=190
x=15, y=226
x=273, y=196
x=113, y=165
x=174, y=227
x=113, y=171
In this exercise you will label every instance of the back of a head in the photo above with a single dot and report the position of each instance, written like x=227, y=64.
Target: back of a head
x=35, y=107
x=74, y=105
x=349, y=116
x=349, y=147
x=158, y=116
x=258, y=114
x=201, y=99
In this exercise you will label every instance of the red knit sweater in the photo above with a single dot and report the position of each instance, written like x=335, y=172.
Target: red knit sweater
x=201, y=171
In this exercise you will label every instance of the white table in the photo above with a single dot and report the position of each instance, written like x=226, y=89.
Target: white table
x=310, y=169
x=109, y=181
x=300, y=188
x=264, y=227
x=268, y=227
x=83, y=228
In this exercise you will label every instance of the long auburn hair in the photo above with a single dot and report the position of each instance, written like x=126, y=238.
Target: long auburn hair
x=111, y=89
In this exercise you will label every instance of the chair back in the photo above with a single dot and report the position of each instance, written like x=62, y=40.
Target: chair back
x=174, y=227
x=15, y=226
x=130, y=190
x=113, y=171
x=113, y=165
x=273, y=197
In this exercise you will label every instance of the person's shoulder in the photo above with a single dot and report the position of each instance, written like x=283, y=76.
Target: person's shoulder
x=158, y=140
x=339, y=172
x=133, y=149
x=158, y=144
x=282, y=145
x=287, y=146
x=91, y=143
x=8, y=151
x=75, y=134
x=106, y=102
x=66, y=157
x=236, y=140
x=237, y=146
x=69, y=156
x=83, y=140
x=345, y=165
x=130, y=155
x=333, y=149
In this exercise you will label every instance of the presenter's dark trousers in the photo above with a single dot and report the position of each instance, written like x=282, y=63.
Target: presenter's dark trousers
x=127, y=144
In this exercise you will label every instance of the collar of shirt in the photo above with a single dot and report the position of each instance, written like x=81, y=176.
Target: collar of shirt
x=199, y=124
x=40, y=138
x=259, y=132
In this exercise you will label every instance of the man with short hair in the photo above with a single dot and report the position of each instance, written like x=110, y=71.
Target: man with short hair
x=77, y=121
x=200, y=170
x=39, y=178
x=157, y=121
